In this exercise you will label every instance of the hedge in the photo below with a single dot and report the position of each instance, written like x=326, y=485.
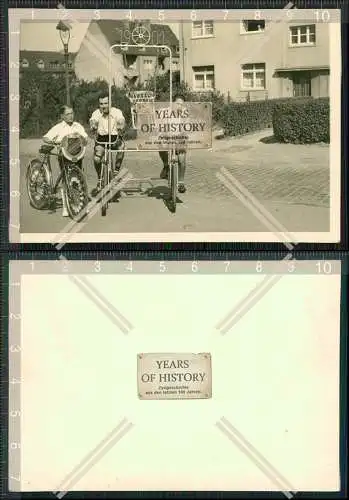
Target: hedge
x=239, y=118
x=294, y=119
x=42, y=94
x=302, y=123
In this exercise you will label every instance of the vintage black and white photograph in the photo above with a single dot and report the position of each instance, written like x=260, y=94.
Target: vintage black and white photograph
x=175, y=125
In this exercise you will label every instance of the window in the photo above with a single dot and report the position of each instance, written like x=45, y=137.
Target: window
x=253, y=76
x=177, y=49
x=24, y=63
x=203, y=78
x=202, y=29
x=251, y=26
x=54, y=65
x=41, y=64
x=148, y=63
x=302, y=35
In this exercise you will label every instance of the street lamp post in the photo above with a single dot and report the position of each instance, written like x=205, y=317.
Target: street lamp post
x=64, y=33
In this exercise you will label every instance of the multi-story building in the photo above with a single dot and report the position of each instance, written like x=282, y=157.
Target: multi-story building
x=89, y=59
x=256, y=59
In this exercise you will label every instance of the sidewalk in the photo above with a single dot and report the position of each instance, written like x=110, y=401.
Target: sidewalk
x=290, y=181
x=247, y=140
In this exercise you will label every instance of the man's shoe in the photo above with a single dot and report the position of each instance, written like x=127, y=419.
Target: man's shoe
x=181, y=188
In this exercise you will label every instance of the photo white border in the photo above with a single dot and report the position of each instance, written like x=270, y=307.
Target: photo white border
x=333, y=236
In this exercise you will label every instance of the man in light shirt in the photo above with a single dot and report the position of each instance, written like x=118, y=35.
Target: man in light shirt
x=66, y=126
x=100, y=121
x=55, y=135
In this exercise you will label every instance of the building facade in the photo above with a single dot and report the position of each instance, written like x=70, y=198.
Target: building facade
x=90, y=60
x=256, y=59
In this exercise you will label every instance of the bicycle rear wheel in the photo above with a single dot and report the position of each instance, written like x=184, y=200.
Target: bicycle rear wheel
x=39, y=184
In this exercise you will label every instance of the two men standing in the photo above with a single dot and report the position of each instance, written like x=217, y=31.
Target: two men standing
x=105, y=121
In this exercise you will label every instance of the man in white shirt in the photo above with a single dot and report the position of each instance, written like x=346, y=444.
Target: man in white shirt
x=66, y=126
x=100, y=121
x=55, y=135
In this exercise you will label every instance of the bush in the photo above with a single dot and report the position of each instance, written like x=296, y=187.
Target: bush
x=42, y=94
x=239, y=118
x=85, y=100
x=294, y=120
x=304, y=122
x=40, y=98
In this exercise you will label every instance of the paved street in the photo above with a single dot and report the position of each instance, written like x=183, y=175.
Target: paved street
x=291, y=181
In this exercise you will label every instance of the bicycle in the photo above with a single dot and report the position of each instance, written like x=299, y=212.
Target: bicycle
x=41, y=187
x=106, y=174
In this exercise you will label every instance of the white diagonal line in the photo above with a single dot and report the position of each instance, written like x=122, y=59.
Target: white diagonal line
x=256, y=457
x=92, y=203
x=109, y=191
x=242, y=308
x=100, y=301
x=248, y=302
x=93, y=457
x=91, y=454
x=74, y=226
x=108, y=308
x=92, y=43
x=256, y=207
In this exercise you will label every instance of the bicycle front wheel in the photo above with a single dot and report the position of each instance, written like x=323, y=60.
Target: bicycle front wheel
x=75, y=192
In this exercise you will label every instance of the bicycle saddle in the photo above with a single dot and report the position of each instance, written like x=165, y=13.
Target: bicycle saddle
x=46, y=148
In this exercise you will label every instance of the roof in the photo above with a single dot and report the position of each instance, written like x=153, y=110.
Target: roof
x=35, y=35
x=115, y=32
x=33, y=56
x=53, y=61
